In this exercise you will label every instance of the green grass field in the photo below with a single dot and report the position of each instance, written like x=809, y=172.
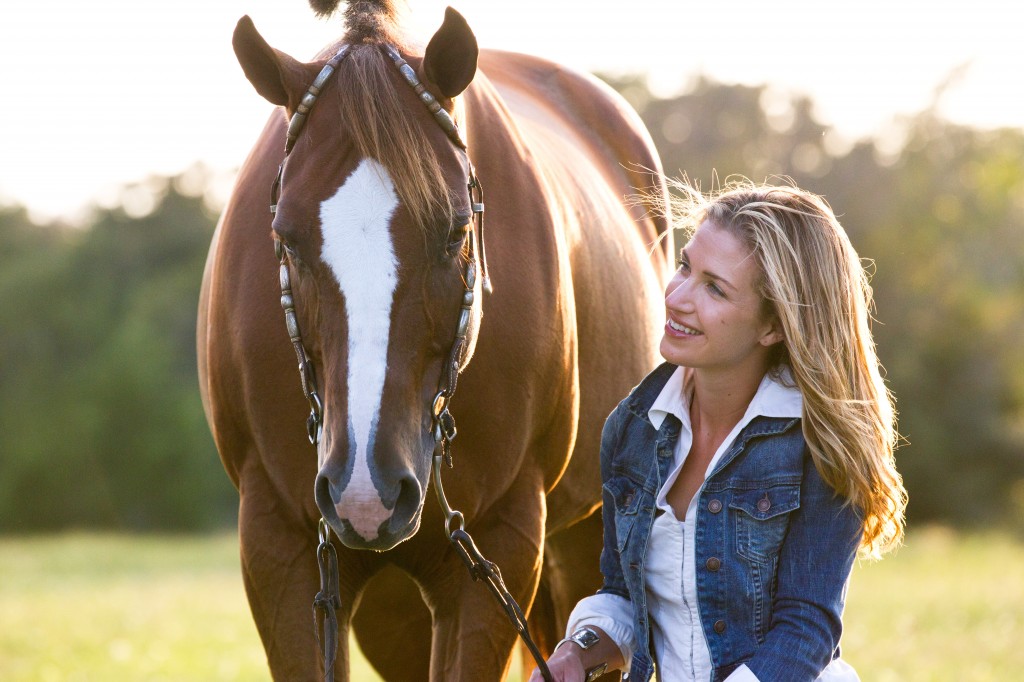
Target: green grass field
x=103, y=608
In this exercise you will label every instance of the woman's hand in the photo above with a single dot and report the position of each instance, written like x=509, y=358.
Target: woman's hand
x=566, y=665
x=570, y=662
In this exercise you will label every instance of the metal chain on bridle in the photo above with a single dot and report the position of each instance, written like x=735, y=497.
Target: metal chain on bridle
x=328, y=600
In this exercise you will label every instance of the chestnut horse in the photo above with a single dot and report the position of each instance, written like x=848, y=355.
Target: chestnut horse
x=374, y=220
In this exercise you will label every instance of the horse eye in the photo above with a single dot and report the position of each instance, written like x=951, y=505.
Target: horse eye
x=292, y=253
x=456, y=236
x=288, y=250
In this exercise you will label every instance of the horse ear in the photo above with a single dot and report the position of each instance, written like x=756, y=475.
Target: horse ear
x=274, y=74
x=450, y=59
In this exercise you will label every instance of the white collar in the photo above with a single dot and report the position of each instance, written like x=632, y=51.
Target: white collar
x=774, y=398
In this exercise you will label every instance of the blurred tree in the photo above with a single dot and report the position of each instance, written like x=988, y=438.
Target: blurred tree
x=99, y=409
x=947, y=235
x=715, y=130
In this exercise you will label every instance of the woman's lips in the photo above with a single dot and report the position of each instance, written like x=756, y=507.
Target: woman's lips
x=677, y=329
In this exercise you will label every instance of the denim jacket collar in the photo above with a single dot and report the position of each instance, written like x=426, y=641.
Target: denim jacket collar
x=784, y=407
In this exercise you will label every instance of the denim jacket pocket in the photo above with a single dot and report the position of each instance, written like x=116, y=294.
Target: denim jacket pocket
x=626, y=495
x=762, y=519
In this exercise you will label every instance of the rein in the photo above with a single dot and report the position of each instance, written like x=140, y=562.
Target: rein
x=328, y=600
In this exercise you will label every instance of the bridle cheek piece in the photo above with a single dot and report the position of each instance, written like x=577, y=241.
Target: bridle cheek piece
x=327, y=601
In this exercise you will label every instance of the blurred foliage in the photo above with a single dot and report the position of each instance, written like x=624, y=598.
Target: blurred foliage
x=100, y=419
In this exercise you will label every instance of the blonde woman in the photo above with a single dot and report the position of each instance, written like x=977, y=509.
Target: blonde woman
x=742, y=477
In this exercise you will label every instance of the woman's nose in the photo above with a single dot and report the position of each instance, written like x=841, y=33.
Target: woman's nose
x=679, y=293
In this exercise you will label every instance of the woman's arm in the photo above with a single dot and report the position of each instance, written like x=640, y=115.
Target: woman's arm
x=814, y=565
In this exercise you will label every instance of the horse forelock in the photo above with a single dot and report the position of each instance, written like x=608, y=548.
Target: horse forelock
x=364, y=16
x=372, y=22
x=383, y=128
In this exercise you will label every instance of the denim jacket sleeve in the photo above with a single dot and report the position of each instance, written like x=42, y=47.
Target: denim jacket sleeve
x=611, y=567
x=814, y=565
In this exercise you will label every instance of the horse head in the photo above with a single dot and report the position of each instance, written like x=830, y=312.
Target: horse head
x=375, y=218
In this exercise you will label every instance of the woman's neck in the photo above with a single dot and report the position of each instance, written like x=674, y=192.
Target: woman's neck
x=719, y=400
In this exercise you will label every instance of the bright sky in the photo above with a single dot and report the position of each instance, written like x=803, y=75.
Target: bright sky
x=102, y=93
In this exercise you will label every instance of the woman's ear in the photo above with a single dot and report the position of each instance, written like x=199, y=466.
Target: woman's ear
x=772, y=333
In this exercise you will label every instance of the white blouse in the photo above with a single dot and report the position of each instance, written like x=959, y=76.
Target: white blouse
x=681, y=653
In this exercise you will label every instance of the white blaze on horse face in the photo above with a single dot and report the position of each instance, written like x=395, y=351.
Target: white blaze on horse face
x=357, y=247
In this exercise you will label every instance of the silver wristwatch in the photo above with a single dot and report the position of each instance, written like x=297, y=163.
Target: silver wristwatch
x=585, y=638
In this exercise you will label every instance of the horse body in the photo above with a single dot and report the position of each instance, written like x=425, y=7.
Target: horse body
x=572, y=323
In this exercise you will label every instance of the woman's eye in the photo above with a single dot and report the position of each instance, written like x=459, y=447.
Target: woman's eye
x=716, y=290
x=682, y=264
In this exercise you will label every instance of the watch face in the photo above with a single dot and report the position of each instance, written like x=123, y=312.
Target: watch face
x=585, y=637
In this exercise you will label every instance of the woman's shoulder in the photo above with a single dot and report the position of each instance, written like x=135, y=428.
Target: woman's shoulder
x=643, y=395
x=629, y=425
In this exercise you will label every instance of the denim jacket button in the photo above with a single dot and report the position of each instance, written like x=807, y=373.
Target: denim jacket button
x=764, y=504
x=715, y=506
x=629, y=500
x=713, y=564
x=719, y=626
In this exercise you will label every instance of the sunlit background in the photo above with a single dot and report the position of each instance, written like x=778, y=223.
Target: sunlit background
x=103, y=93
x=122, y=125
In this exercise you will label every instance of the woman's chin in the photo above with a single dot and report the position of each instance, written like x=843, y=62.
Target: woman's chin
x=672, y=353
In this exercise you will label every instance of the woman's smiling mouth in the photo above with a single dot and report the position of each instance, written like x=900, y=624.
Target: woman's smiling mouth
x=682, y=329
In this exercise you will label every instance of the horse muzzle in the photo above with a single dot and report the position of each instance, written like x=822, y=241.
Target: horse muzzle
x=363, y=516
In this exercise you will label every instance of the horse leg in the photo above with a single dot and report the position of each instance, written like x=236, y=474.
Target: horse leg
x=572, y=566
x=568, y=575
x=279, y=568
x=571, y=572
x=392, y=626
x=472, y=637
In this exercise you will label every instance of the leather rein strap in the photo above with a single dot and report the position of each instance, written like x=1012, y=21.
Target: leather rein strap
x=328, y=600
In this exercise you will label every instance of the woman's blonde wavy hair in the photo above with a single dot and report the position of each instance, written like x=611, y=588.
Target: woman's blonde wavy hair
x=813, y=281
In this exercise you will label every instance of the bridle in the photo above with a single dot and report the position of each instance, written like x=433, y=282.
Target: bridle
x=328, y=600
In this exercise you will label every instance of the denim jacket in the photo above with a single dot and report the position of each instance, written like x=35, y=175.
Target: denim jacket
x=781, y=543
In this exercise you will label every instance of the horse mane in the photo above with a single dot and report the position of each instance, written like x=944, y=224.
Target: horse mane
x=382, y=128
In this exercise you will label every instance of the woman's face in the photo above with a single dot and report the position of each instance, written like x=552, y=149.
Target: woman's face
x=715, y=317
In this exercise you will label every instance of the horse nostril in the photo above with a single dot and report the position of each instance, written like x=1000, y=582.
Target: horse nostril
x=323, y=494
x=410, y=498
